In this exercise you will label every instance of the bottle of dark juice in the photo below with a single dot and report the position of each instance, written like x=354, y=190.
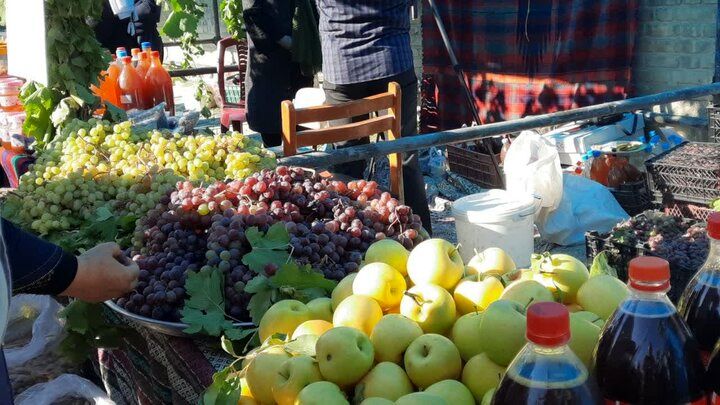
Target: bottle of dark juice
x=546, y=371
x=646, y=353
x=713, y=376
x=700, y=302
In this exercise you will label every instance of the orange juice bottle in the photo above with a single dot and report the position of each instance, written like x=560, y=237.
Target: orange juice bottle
x=159, y=84
x=135, y=53
x=599, y=168
x=109, y=91
x=142, y=68
x=147, y=48
x=131, y=86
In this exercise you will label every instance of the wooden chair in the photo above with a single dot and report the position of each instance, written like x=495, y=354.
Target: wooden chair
x=293, y=138
x=232, y=89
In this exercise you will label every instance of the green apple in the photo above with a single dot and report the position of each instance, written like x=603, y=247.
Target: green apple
x=386, y=380
x=481, y=374
x=473, y=293
x=602, y=294
x=295, y=374
x=525, y=292
x=381, y=282
x=452, y=391
x=321, y=393
x=432, y=358
x=344, y=355
x=392, y=335
x=358, y=311
x=283, y=317
x=562, y=274
x=377, y=401
x=488, y=397
x=491, y=261
x=315, y=327
x=421, y=398
x=262, y=370
x=321, y=308
x=466, y=334
x=503, y=331
x=390, y=252
x=584, y=336
x=435, y=261
x=342, y=290
x=431, y=306
x=591, y=317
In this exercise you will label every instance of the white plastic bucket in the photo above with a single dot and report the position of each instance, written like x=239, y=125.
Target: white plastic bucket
x=496, y=218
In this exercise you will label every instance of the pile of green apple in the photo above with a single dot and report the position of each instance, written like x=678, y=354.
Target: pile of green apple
x=420, y=327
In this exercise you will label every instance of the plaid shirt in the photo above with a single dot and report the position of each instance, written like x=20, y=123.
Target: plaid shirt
x=364, y=40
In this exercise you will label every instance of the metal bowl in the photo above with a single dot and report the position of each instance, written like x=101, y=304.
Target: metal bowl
x=164, y=327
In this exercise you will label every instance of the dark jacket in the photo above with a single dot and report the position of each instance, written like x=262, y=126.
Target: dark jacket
x=271, y=76
x=112, y=32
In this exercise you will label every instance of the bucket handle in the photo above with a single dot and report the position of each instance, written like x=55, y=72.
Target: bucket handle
x=538, y=204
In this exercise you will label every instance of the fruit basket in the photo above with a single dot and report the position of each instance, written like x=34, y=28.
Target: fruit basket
x=633, y=197
x=714, y=123
x=689, y=172
x=476, y=166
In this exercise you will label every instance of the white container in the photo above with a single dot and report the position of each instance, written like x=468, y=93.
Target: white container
x=496, y=218
x=122, y=8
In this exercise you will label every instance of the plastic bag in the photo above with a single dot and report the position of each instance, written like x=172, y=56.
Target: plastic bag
x=532, y=166
x=586, y=205
x=64, y=387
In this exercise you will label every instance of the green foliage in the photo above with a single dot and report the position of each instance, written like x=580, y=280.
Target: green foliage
x=204, y=95
x=104, y=226
x=231, y=13
x=87, y=330
x=269, y=248
x=182, y=24
x=204, y=309
x=600, y=266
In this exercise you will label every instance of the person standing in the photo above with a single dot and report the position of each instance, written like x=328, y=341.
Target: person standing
x=365, y=46
x=272, y=75
x=112, y=32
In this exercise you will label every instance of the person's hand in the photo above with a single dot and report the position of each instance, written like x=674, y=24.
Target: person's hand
x=103, y=272
x=285, y=42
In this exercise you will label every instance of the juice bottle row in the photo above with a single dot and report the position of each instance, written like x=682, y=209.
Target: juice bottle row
x=649, y=352
x=137, y=82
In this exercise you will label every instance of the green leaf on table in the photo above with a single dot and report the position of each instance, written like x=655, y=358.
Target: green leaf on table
x=239, y=333
x=114, y=113
x=257, y=284
x=272, y=247
x=211, y=322
x=600, y=266
x=204, y=290
x=300, y=278
x=259, y=303
x=225, y=388
x=304, y=344
x=65, y=111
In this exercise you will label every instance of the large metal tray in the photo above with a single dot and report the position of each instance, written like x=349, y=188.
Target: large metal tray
x=164, y=327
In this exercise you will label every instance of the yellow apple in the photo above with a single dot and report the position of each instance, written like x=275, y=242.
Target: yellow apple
x=377, y=401
x=491, y=261
x=435, y=261
x=574, y=307
x=321, y=308
x=584, y=336
x=392, y=335
x=393, y=310
x=602, y=294
x=295, y=374
x=283, y=317
x=344, y=355
x=590, y=317
x=358, y=311
x=466, y=334
x=421, y=398
x=562, y=274
x=381, y=282
x=243, y=400
x=390, y=252
x=386, y=380
x=432, y=358
x=452, y=391
x=472, y=294
x=262, y=371
x=321, y=393
x=525, y=292
x=342, y=290
x=315, y=327
x=244, y=388
x=503, y=330
x=480, y=375
x=488, y=397
x=431, y=306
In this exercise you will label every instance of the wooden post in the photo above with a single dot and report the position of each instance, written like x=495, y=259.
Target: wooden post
x=396, y=174
x=289, y=128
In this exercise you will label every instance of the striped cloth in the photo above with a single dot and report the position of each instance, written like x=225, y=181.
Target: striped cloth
x=526, y=57
x=14, y=165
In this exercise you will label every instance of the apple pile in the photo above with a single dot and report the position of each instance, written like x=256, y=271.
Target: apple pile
x=419, y=327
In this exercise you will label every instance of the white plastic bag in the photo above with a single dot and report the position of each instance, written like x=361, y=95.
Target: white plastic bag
x=65, y=386
x=586, y=206
x=532, y=166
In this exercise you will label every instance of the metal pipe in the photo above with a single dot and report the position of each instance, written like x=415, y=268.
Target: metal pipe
x=325, y=159
x=203, y=70
x=680, y=120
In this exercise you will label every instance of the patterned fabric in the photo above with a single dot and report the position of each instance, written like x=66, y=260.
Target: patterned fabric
x=14, y=164
x=153, y=368
x=526, y=57
x=364, y=40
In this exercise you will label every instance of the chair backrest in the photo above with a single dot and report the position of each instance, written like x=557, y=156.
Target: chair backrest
x=389, y=101
x=234, y=95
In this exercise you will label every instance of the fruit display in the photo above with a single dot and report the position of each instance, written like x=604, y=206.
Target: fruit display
x=227, y=227
x=405, y=340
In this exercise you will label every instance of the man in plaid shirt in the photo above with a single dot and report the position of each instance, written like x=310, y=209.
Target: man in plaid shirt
x=365, y=46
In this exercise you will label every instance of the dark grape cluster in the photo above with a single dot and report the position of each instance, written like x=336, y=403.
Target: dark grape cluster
x=687, y=251
x=640, y=228
x=331, y=224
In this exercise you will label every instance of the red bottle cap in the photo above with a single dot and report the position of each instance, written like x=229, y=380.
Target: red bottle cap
x=548, y=324
x=651, y=274
x=713, y=225
x=126, y=59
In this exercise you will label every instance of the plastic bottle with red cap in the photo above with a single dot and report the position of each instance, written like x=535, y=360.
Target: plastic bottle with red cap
x=713, y=376
x=546, y=371
x=700, y=302
x=131, y=86
x=646, y=353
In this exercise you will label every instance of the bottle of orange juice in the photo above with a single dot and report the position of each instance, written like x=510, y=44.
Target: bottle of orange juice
x=131, y=86
x=159, y=84
x=109, y=90
x=135, y=53
x=142, y=68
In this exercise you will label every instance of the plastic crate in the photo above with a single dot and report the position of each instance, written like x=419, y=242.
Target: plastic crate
x=634, y=198
x=684, y=209
x=689, y=172
x=475, y=166
x=714, y=124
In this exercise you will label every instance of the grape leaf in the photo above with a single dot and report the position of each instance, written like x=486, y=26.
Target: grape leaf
x=257, y=284
x=259, y=303
x=87, y=330
x=205, y=290
x=292, y=275
x=225, y=388
x=304, y=344
x=600, y=266
x=269, y=248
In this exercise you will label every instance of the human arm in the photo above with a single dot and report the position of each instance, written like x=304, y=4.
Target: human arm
x=40, y=267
